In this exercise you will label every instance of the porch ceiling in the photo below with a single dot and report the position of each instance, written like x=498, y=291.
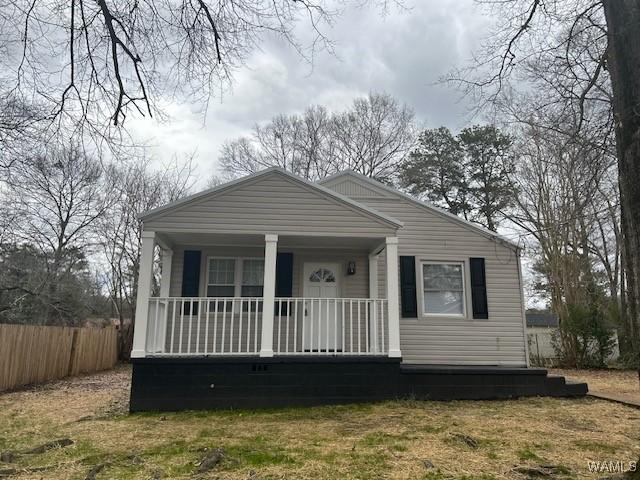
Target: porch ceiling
x=284, y=241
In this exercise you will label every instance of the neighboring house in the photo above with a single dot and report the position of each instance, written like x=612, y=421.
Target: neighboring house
x=541, y=329
x=276, y=291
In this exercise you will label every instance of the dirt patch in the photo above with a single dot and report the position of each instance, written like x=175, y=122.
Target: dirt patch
x=84, y=396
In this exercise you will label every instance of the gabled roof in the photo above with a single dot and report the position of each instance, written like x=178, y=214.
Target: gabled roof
x=439, y=211
x=321, y=190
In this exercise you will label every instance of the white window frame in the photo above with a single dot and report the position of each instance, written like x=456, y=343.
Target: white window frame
x=462, y=263
x=237, y=275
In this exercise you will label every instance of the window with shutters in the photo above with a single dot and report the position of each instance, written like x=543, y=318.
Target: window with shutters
x=443, y=288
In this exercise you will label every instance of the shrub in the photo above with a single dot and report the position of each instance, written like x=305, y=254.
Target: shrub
x=585, y=336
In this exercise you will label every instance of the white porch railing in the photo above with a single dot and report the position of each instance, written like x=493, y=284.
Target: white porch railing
x=340, y=326
x=232, y=326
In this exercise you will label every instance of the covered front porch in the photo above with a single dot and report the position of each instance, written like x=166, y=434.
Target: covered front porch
x=264, y=295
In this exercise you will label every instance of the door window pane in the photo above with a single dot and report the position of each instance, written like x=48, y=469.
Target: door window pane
x=322, y=275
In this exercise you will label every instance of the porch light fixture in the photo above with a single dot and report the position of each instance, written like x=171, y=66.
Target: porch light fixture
x=351, y=268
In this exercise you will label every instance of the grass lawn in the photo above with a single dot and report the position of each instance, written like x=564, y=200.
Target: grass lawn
x=623, y=382
x=528, y=438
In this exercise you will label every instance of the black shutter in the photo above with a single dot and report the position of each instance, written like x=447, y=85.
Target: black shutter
x=191, y=278
x=478, y=288
x=408, y=300
x=284, y=278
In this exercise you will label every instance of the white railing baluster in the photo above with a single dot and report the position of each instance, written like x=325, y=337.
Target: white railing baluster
x=342, y=324
x=384, y=349
x=215, y=326
x=366, y=328
x=326, y=326
x=206, y=329
x=181, y=324
x=231, y=324
x=173, y=325
x=295, y=325
x=241, y=308
x=335, y=326
x=248, y=339
x=198, y=330
x=311, y=322
x=224, y=324
x=350, y=326
x=304, y=322
x=190, y=325
x=359, y=330
x=279, y=307
x=288, y=316
x=374, y=305
x=255, y=332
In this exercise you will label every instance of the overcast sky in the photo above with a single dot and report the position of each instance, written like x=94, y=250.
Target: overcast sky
x=403, y=53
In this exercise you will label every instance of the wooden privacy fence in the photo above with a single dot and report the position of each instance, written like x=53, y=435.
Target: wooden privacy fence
x=36, y=354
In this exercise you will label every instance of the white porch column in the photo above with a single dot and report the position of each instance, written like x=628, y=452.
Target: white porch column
x=144, y=291
x=269, y=294
x=393, y=296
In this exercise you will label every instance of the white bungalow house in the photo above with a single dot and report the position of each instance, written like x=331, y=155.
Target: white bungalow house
x=272, y=286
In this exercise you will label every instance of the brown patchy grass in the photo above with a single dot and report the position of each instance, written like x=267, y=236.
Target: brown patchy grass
x=389, y=440
x=606, y=381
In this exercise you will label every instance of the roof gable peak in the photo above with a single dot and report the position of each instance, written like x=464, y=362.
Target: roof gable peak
x=272, y=171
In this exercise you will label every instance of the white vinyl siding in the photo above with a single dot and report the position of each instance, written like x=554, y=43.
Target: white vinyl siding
x=270, y=204
x=498, y=340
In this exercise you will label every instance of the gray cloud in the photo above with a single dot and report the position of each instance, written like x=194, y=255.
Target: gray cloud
x=403, y=53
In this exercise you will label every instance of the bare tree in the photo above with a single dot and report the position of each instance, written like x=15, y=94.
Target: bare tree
x=581, y=58
x=296, y=143
x=137, y=188
x=18, y=130
x=374, y=136
x=371, y=137
x=89, y=65
x=57, y=200
x=564, y=207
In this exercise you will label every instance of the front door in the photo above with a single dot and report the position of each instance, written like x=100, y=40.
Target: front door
x=322, y=314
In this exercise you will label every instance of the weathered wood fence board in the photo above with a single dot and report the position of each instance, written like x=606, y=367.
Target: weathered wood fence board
x=36, y=354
